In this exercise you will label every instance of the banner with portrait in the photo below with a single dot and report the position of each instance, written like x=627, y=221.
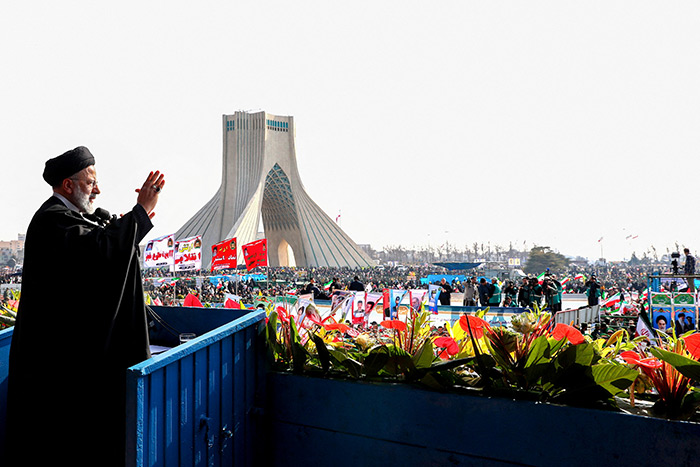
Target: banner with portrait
x=341, y=303
x=255, y=254
x=188, y=254
x=223, y=255
x=359, y=307
x=433, y=295
x=661, y=319
x=159, y=252
x=416, y=298
x=398, y=309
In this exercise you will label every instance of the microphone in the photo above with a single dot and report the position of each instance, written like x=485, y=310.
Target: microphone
x=100, y=216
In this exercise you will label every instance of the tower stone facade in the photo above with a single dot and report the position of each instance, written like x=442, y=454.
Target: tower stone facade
x=260, y=180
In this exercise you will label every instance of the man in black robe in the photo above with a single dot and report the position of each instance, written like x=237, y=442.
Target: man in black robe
x=445, y=292
x=81, y=322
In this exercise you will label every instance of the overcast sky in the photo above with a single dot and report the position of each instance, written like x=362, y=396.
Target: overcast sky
x=541, y=122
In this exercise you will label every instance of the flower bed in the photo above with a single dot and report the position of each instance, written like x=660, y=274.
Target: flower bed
x=534, y=393
x=531, y=359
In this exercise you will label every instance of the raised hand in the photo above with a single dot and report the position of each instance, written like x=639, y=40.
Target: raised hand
x=149, y=191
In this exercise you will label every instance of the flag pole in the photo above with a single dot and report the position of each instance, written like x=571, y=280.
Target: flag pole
x=172, y=281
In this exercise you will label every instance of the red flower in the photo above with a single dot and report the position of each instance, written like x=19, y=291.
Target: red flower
x=573, y=335
x=635, y=359
x=336, y=326
x=692, y=343
x=476, y=324
x=313, y=318
x=282, y=313
x=394, y=324
x=448, y=343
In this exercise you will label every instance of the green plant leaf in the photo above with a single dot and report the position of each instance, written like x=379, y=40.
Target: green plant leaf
x=691, y=401
x=581, y=354
x=539, y=352
x=271, y=329
x=538, y=361
x=295, y=333
x=556, y=345
x=685, y=366
x=434, y=381
x=353, y=366
x=399, y=364
x=299, y=357
x=425, y=355
x=614, y=378
x=469, y=361
x=376, y=359
x=323, y=354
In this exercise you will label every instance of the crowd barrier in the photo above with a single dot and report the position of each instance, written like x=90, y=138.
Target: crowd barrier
x=585, y=314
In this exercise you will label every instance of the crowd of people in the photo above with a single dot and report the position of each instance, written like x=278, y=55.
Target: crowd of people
x=322, y=281
x=476, y=290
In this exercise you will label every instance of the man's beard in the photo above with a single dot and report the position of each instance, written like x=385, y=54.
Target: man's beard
x=83, y=201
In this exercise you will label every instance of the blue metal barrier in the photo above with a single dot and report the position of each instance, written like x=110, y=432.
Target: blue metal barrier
x=5, y=340
x=321, y=421
x=193, y=404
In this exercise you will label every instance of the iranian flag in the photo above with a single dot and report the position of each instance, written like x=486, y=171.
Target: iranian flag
x=580, y=276
x=612, y=301
x=540, y=278
x=565, y=280
x=644, y=327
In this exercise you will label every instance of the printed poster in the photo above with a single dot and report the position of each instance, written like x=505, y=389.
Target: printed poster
x=188, y=254
x=433, y=295
x=159, y=252
x=223, y=255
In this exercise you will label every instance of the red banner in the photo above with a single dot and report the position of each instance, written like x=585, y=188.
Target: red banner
x=223, y=255
x=255, y=254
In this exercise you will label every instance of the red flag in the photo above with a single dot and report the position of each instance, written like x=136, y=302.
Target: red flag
x=223, y=255
x=255, y=254
x=232, y=304
x=191, y=300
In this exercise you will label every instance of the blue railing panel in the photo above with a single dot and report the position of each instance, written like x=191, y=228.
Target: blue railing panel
x=200, y=407
x=186, y=404
x=156, y=418
x=214, y=393
x=227, y=398
x=251, y=384
x=238, y=401
x=186, y=400
x=5, y=341
x=172, y=410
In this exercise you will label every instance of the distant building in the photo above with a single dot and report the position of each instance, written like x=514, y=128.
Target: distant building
x=12, y=249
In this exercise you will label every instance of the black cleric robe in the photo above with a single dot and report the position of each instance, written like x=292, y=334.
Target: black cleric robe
x=81, y=322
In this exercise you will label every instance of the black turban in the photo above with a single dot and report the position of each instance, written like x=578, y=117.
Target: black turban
x=67, y=164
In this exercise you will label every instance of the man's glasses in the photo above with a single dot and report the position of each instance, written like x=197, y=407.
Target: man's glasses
x=90, y=183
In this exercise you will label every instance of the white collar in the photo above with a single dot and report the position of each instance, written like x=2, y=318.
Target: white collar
x=68, y=204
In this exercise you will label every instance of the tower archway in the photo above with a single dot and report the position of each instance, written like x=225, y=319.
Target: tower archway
x=261, y=182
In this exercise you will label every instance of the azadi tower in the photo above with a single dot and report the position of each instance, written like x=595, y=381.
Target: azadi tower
x=260, y=178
